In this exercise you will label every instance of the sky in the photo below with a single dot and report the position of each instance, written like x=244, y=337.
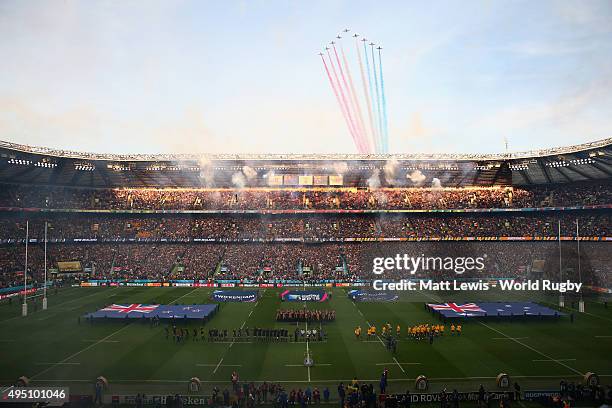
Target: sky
x=244, y=76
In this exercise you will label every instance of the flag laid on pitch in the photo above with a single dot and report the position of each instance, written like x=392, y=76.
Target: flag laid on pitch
x=138, y=310
x=493, y=309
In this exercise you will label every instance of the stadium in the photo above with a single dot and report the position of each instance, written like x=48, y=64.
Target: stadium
x=272, y=204
x=176, y=230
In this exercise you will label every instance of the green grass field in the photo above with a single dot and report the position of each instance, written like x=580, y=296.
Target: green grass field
x=52, y=348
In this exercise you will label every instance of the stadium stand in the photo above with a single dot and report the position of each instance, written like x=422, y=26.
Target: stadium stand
x=156, y=217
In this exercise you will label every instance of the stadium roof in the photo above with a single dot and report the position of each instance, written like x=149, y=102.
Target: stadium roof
x=40, y=165
x=290, y=156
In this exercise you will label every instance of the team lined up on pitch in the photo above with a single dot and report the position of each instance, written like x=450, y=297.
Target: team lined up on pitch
x=417, y=332
x=246, y=334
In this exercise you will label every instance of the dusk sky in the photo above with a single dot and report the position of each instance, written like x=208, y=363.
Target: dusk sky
x=235, y=77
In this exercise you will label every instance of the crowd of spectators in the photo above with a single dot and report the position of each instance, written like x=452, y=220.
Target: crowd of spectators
x=267, y=199
x=181, y=228
x=262, y=246
x=269, y=262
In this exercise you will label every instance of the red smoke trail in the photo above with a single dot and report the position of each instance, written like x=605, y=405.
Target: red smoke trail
x=356, y=104
x=347, y=89
x=358, y=141
x=367, y=96
x=344, y=113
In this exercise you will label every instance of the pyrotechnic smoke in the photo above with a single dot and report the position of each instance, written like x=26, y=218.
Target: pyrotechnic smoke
x=239, y=180
x=340, y=167
x=374, y=180
x=390, y=168
x=416, y=177
x=207, y=173
x=268, y=176
x=249, y=172
x=436, y=183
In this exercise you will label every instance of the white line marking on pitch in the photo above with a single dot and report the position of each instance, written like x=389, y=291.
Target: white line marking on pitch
x=307, y=348
x=95, y=344
x=217, y=365
x=395, y=362
x=400, y=366
x=559, y=359
x=61, y=303
x=531, y=348
x=302, y=365
x=234, y=340
x=119, y=381
x=509, y=338
x=379, y=339
x=186, y=294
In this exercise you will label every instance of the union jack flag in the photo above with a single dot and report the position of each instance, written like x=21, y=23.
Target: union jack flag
x=459, y=309
x=134, y=307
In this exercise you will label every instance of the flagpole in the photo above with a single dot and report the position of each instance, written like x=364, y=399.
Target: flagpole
x=44, y=305
x=24, y=307
x=581, y=301
x=561, y=298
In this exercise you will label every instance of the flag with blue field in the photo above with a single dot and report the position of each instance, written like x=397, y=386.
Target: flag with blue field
x=493, y=309
x=139, y=311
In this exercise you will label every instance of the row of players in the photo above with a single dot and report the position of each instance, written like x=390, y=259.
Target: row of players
x=305, y=315
x=182, y=334
x=417, y=332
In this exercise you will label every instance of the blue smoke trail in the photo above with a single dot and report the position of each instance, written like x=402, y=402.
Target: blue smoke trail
x=380, y=132
x=371, y=133
x=384, y=105
x=365, y=50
